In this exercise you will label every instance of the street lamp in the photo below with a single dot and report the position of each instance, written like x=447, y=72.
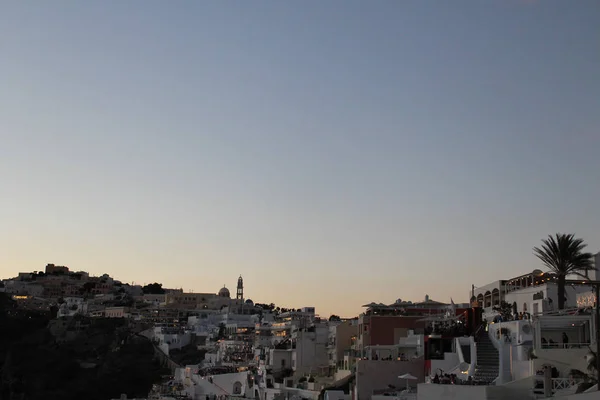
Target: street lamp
x=596, y=285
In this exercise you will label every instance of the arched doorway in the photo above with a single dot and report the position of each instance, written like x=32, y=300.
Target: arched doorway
x=237, y=387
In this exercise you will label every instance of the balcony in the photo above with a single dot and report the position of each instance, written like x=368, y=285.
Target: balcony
x=286, y=344
x=564, y=332
x=352, y=353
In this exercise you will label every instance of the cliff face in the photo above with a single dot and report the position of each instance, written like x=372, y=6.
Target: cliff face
x=75, y=359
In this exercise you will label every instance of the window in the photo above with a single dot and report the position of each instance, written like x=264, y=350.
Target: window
x=283, y=363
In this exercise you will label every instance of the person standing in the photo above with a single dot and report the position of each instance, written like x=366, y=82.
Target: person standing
x=565, y=339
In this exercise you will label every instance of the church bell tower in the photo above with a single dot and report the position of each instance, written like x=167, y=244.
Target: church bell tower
x=240, y=289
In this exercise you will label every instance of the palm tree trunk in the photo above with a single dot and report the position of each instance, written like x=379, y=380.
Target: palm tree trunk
x=561, y=291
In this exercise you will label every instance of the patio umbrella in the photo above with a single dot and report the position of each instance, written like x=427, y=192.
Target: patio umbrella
x=408, y=377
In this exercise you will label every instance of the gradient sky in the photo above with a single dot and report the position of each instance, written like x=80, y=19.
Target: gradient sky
x=332, y=152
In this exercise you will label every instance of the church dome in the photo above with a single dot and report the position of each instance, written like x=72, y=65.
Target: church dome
x=224, y=292
x=249, y=302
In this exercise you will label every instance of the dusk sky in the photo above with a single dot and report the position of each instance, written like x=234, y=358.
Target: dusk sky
x=333, y=153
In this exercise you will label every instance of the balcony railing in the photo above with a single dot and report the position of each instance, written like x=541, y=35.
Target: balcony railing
x=565, y=345
x=399, y=396
x=565, y=383
x=408, y=396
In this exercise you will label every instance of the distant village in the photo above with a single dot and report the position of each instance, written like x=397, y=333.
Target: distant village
x=221, y=344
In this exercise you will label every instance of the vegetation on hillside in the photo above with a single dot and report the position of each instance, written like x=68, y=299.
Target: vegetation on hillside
x=274, y=309
x=153, y=288
x=93, y=359
x=188, y=355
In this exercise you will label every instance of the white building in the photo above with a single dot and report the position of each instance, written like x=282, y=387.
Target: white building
x=543, y=297
x=156, y=300
x=198, y=387
x=532, y=293
x=72, y=306
x=169, y=339
x=23, y=288
x=310, y=354
x=117, y=312
x=342, y=338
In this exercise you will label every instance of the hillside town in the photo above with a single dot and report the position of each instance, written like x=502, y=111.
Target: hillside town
x=513, y=338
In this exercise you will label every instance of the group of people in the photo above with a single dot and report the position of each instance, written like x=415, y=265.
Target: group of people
x=512, y=317
x=217, y=370
x=549, y=343
x=451, y=379
x=447, y=328
x=444, y=379
x=401, y=357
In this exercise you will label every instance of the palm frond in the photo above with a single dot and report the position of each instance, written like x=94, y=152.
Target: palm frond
x=577, y=374
x=564, y=255
x=591, y=367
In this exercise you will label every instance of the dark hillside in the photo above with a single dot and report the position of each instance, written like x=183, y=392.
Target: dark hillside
x=96, y=359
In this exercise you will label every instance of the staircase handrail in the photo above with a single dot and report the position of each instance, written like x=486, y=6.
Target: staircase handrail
x=478, y=330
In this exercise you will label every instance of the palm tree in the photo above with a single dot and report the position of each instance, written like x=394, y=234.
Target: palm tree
x=589, y=378
x=592, y=363
x=563, y=255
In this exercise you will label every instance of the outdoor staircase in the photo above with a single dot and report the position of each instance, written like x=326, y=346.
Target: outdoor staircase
x=487, y=367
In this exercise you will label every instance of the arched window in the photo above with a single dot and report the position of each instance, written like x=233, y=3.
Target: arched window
x=495, y=297
x=488, y=299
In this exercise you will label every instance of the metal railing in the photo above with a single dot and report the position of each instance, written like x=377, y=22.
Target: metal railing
x=408, y=396
x=480, y=328
x=565, y=345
